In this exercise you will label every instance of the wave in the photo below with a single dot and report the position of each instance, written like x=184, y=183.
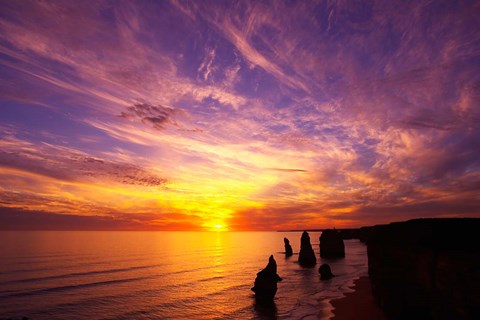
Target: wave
x=79, y=274
x=71, y=287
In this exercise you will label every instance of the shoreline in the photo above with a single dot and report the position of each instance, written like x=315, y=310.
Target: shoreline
x=359, y=305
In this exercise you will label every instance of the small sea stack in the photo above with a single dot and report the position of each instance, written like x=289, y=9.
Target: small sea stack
x=306, y=257
x=331, y=244
x=288, y=248
x=325, y=272
x=265, y=286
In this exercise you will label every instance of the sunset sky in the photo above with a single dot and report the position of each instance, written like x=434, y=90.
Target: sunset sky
x=237, y=115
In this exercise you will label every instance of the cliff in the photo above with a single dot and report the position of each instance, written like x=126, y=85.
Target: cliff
x=426, y=268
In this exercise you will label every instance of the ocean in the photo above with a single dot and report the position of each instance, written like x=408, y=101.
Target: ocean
x=164, y=275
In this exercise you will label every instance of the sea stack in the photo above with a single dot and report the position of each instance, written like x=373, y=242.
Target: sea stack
x=306, y=257
x=265, y=285
x=331, y=244
x=288, y=248
x=325, y=272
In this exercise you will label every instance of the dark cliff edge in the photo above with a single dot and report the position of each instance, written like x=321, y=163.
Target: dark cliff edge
x=425, y=268
x=360, y=233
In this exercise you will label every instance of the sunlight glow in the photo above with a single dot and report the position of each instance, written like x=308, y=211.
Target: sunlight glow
x=219, y=227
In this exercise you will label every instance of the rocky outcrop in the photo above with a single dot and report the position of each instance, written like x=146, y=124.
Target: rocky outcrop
x=265, y=286
x=426, y=268
x=331, y=244
x=361, y=233
x=325, y=272
x=348, y=234
x=306, y=257
x=288, y=248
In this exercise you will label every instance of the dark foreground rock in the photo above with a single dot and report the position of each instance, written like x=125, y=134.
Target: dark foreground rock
x=331, y=244
x=306, y=257
x=426, y=268
x=265, y=286
x=288, y=247
x=325, y=272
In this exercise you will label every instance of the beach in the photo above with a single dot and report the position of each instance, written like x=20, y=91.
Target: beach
x=359, y=305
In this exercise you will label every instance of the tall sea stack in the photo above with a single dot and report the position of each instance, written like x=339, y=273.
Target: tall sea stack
x=265, y=286
x=331, y=244
x=288, y=248
x=306, y=257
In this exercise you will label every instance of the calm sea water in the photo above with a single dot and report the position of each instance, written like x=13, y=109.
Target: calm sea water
x=164, y=275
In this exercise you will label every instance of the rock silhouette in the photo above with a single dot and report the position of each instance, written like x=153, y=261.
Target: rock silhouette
x=288, y=248
x=265, y=286
x=306, y=257
x=331, y=244
x=426, y=268
x=325, y=272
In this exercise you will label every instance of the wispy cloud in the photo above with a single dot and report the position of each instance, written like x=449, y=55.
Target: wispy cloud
x=68, y=164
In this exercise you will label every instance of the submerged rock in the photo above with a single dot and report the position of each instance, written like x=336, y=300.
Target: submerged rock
x=288, y=247
x=265, y=286
x=331, y=244
x=325, y=272
x=306, y=257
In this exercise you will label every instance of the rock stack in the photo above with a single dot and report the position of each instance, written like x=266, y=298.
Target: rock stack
x=306, y=257
x=265, y=286
x=331, y=244
x=288, y=248
x=325, y=272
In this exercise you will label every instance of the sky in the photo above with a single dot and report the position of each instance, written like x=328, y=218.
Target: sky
x=237, y=115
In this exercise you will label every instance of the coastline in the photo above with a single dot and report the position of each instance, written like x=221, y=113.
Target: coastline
x=359, y=305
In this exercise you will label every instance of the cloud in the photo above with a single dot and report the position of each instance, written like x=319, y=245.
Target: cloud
x=206, y=68
x=69, y=164
x=288, y=170
x=20, y=219
x=467, y=207
x=157, y=116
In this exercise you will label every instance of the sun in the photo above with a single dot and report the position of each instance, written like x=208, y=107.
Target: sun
x=216, y=225
x=219, y=227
